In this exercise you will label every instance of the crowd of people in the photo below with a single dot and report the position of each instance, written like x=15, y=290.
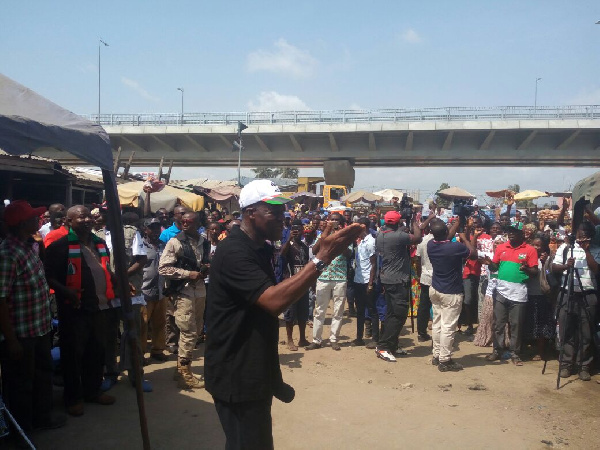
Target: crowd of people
x=221, y=280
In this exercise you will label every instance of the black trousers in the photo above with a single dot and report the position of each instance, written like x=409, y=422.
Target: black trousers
x=247, y=425
x=365, y=300
x=574, y=324
x=81, y=353
x=424, y=311
x=27, y=383
x=396, y=299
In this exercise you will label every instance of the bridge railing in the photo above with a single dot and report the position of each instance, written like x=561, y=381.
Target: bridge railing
x=460, y=113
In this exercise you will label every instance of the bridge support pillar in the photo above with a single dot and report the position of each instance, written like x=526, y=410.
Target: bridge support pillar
x=339, y=171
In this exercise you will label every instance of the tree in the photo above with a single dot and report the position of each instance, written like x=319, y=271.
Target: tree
x=264, y=172
x=515, y=188
x=275, y=172
x=286, y=172
x=444, y=203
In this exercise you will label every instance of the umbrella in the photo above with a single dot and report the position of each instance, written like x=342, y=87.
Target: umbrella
x=361, y=196
x=530, y=194
x=588, y=189
x=566, y=194
x=500, y=194
x=131, y=193
x=387, y=194
x=30, y=122
x=455, y=192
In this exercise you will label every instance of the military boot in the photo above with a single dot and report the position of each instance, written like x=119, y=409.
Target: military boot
x=187, y=380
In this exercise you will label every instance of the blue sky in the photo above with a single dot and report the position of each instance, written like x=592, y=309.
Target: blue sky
x=261, y=55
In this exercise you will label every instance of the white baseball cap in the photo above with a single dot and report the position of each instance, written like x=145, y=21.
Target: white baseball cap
x=261, y=191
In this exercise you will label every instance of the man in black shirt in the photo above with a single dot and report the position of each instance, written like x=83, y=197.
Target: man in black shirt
x=241, y=361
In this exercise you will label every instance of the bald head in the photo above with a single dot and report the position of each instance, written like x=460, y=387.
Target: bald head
x=80, y=220
x=56, y=207
x=76, y=210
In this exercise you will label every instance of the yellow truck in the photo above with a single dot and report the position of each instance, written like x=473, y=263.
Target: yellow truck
x=332, y=193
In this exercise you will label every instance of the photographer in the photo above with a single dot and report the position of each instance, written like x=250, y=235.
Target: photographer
x=392, y=245
x=577, y=321
x=181, y=264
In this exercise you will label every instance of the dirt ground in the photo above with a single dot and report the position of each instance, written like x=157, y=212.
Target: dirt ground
x=352, y=400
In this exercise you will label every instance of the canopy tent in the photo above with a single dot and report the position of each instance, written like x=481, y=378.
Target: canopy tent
x=566, y=194
x=30, y=122
x=455, y=193
x=302, y=195
x=168, y=197
x=387, y=194
x=361, y=196
x=530, y=194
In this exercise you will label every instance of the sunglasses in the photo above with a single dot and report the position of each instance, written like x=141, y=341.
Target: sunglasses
x=187, y=221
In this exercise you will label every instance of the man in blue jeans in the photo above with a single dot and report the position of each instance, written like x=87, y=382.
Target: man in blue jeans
x=392, y=244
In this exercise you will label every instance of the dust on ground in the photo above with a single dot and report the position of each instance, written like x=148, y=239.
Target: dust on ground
x=350, y=399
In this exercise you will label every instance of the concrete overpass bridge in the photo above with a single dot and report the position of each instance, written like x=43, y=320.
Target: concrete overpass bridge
x=459, y=136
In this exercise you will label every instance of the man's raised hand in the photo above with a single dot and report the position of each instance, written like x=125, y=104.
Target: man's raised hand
x=332, y=245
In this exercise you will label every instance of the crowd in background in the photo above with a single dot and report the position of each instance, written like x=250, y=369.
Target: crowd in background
x=496, y=282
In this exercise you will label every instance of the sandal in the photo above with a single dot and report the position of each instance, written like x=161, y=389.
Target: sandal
x=492, y=357
x=536, y=358
x=516, y=361
x=292, y=347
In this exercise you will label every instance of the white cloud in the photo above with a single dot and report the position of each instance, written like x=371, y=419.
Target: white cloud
x=355, y=106
x=411, y=36
x=272, y=101
x=587, y=96
x=285, y=59
x=135, y=86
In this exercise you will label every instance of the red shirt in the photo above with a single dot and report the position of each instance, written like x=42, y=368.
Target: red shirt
x=55, y=235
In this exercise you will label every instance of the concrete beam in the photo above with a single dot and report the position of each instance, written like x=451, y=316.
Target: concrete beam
x=261, y=143
x=448, y=141
x=130, y=141
x=296, y=144
x=163, y=141
x=564, y=144
x=372, y=143
x=227, y=142
x=333, y=143
x=485, y=145
x=409, y=141
x=530, y=137
x=195, y=143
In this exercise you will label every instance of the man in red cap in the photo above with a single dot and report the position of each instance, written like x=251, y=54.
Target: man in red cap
x=392, y=245
x=25, y=322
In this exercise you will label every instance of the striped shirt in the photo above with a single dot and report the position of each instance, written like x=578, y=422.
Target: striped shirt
x=24, y=288
x=588, y=280
x=512, y=281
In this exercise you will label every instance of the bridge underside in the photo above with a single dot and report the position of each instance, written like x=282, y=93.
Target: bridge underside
x=505, y=143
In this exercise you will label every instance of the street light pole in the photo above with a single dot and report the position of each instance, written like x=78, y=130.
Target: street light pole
x=99, y=46
x=535, y=101
x=240, y=146
x=181, y=89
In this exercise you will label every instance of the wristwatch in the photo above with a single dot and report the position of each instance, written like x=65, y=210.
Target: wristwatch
x=319, y=265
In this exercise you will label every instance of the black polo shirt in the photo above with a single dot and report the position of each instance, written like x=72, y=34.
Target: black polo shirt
x=241, y=361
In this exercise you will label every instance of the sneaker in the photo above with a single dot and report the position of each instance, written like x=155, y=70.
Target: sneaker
x=385, y=355
x=584, y=375
x=335, y=346
x=469, y=331
x=313, y=346
x=358, y=343
x=565, y=372
x=449, y=366
x=75, y=410
x=435, y=361
x=424, y=337
x=371, y=345
x=400, y=352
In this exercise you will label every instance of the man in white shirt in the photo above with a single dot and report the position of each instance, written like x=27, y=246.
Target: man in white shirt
x=364, y=276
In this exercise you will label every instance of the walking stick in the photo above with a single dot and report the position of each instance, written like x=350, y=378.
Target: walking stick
x=412, y=318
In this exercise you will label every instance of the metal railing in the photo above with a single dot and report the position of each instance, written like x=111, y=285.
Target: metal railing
x=461, y=113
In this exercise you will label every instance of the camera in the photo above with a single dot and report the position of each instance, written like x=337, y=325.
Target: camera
x=463, y=208
x=406, y=208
